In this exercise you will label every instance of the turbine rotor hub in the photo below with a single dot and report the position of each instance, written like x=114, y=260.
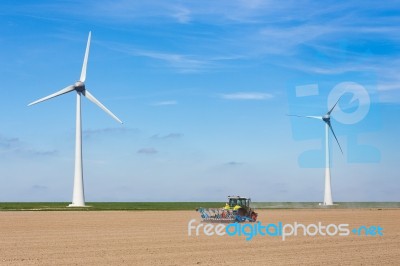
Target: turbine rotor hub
x=79, y=86
x=326, y=118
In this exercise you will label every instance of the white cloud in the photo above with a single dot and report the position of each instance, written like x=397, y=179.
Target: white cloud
x=163, y=103
x=247, y=96
x=183, y=63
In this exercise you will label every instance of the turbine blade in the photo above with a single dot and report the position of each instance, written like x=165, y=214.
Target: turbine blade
x=88, y=95
x=85, y=60
x=314, y=117
x=308, y=116
x=330, y=126
x=330, y=111
x=58, y=93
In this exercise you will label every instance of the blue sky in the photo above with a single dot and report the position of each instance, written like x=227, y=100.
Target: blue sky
x=204, y=89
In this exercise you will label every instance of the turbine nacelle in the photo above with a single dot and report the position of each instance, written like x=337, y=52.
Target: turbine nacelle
x=79, y=86
x=326, y=118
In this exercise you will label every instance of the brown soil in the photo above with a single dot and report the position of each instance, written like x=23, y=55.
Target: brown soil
x=161, y=238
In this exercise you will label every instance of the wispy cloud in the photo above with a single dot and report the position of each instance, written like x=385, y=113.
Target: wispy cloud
x=88, y=133
x=163, y=103
x=186, y=63
x=182, y=63
x=207, y=56
x=246, y=29
x=247, y=96
x=182, y=15
x=234, y=163
x=168, y=136
x=17, y=147
x=39, y=187
x=34, y=152
x=8, y=143
x=179, y=11
x=147, y=151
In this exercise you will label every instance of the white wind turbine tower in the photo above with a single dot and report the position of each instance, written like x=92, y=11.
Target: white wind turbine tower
x=327, y=119
x=78, y=198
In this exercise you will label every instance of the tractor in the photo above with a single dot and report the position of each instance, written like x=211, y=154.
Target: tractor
x=237, y=209
x=242, y=206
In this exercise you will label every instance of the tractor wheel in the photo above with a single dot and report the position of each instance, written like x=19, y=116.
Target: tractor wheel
x=254, y=216
x=241, y=212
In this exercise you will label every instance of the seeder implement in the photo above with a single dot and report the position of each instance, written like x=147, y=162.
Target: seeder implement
x=236, y=210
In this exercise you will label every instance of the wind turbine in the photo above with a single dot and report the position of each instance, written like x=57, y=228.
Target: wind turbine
x=78, y=196
x=328, y=126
